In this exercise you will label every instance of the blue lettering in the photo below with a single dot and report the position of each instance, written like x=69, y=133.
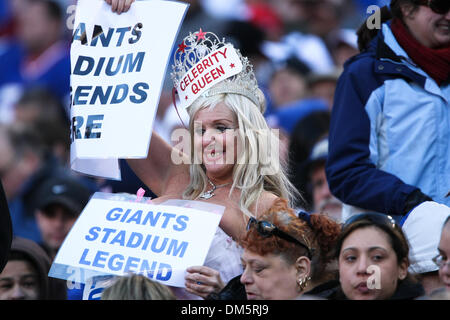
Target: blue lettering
x=125, y=215
x=131, y=263
x=98, y=33
x=98, y=93
x=136, y=217
x=92, y=125
x=83, y=258
x=115, y=263
x=155, y=242
x=122, y=32
x=136, y=33
x=132, y=64
x=111, y=217
x=168, y=217
x=134, y=235
x=119, y=238
x=176, y=250
x=100, y=256
x=107, y=232
x=80, y=33
x=90, y=65
x=79, y=93
x=151, y=218
x=139, y=92
x=115, y=99
x=182, y=223
x=108, y=70
x=145, y=267
x=77, y=123
x=94, y=232
x=164, y=268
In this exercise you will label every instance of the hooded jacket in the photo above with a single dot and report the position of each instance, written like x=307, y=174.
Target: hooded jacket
x=51, y=289
x=389, y=131
x=5, y=229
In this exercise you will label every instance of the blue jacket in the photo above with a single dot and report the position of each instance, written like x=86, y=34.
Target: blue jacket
x=389, y=131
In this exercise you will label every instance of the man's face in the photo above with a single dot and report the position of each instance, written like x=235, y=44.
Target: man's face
x=324, y=201
x=54, y=222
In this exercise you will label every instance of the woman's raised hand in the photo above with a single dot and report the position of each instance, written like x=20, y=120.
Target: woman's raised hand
x=119, y=6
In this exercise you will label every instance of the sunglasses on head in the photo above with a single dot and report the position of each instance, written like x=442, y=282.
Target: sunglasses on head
x=437, y=6
x=375, y=218
x=267, y=229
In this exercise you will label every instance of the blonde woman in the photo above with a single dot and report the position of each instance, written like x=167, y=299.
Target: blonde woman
x=230, y=158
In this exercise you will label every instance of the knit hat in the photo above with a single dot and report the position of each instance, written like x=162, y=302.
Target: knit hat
x=422, y=227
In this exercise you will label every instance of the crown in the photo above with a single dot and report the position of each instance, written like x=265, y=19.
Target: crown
x=204, y=65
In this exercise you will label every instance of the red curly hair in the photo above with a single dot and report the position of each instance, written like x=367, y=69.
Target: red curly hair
x=320, y=237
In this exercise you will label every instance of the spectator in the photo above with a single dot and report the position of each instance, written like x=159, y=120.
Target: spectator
x=25, y=275
x=444, y=252
x=285, y=256
x=422, y=227
x=40, y=108
x=38, y=56
x=305, y=135
x=211, y=168
x=61, y=199
x=137, y=287
x=323, y=201
x=373, y=261
x=6, y=229
x=391, y=118
x=24, y=163
x=323, y=86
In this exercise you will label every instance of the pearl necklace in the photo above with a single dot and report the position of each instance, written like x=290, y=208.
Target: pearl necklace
x=210, y=193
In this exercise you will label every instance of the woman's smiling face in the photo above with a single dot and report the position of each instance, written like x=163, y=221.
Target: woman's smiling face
x=215, y=140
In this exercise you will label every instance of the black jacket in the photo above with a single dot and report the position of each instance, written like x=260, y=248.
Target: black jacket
x=5, y=229
x=331, y=290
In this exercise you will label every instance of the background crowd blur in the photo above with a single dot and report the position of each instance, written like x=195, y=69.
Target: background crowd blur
x=297, y=48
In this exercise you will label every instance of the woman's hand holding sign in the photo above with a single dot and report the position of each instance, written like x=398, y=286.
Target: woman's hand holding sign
x=202, y=281
x=120, y=6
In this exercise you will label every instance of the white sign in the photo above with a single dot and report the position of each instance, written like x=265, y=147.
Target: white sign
x=121, y=237
x=215, y=67
x=118, y=64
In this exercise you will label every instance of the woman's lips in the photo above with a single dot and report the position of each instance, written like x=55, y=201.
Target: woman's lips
x=362, y=288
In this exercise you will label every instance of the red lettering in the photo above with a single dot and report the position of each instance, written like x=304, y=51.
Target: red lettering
x=208, y=78
x=195, y=88
x=194, y=73
x=224, y=53
x=220, y=70
x=205, y=63
x=199, y=68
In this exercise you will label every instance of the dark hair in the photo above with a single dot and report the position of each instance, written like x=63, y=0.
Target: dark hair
x=307, y=132
x=54, y=10
x=397, y=238
x=320, y=235
x=365, y=35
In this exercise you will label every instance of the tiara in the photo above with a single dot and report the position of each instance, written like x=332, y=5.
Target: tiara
x=206, y=66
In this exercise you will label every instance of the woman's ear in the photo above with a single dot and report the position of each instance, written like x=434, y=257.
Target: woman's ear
x=403, y=269
x=407, y=10
x=303, y=266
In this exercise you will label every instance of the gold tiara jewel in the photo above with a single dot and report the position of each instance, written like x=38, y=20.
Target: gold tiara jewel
x=205, y=66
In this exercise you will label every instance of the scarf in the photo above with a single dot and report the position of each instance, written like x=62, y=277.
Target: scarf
x=435, y=62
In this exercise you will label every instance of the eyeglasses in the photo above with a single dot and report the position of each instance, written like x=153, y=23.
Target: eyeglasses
x=439, y=261
x=375, y=218
x=267, y=229
x=437, y=6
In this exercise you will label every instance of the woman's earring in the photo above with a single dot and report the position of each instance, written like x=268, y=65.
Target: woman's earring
x=302, y=283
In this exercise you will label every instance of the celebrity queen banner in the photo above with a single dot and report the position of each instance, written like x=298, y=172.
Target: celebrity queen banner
x=118, y=64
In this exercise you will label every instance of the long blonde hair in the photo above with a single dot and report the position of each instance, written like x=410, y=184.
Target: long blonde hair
x=253, y=133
